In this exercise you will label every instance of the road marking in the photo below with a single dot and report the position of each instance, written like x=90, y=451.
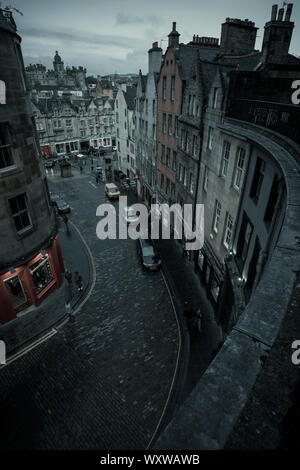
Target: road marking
x=176, y=365
x=92, y=184
x=33, y=345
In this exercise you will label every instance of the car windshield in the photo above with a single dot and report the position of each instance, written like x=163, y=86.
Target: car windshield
x=113, y=190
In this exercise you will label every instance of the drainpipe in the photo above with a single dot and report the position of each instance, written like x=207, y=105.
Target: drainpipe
x=201, y=133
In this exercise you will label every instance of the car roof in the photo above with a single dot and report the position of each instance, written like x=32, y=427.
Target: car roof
x=111, y=185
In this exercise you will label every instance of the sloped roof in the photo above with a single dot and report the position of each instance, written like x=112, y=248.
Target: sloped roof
x=129, y=96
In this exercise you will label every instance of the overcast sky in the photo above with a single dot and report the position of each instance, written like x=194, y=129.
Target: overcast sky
x=108, y=36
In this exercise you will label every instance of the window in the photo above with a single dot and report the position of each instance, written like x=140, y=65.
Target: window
x=240, y=161
x=225, y=158
x=6, y=159
x=187, y=142
x=272, y=201
x=118, y=146
x=68, y=122
x=191, y=183
x=244, y=239
x=170, y=124
x=162, y=181
x=153, y=108
x=19, y=211
x=168, y=157
x=153, y=131
x=184, y=175
x=146, y=110
x=167, y=185
x=200, y=260
x=162, y=158
x=215, y=289
x=82, y=133
x=215, y=98
x=164, y=88
x=205, y=179
x=174, y=161
x=164, y=123
x=172, y=94
x=257, y=179
x=190, y=105
x=41, y=274
x=228, y=232
x=210, y=138
x=217, y=216
x=194, y=148
x=176, y=126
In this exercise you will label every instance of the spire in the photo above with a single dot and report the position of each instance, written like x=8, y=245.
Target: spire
x=173, y=36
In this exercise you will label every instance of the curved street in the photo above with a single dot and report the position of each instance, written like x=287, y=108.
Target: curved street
x=103, y=380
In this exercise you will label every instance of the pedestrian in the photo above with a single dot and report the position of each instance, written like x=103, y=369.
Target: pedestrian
x=78, y=280
x=97, y=178
x=68, y=276
x=81, y=169
x=92, y=168
x=68, y=308
x=198, y=320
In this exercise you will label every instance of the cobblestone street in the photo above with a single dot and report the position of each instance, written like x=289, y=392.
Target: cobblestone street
x=103, y=380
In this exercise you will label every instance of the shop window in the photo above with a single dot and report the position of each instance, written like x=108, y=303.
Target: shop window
x=215, y=289
x=41, y=274
x=15, y=291
x=200, y=260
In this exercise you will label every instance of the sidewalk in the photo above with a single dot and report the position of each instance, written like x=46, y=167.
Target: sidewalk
x=35, y=322
x=187, y=286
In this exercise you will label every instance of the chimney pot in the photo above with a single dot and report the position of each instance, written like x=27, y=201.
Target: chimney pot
x=174, y=26
x=288, y=12
x=280, y=14
x=274, y=12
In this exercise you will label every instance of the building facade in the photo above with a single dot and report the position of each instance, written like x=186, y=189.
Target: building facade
x=37, y=75
x=70, y=125
x=31, y=263
x=125, y=129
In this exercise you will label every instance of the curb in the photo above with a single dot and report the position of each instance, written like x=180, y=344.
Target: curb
x=181, y=372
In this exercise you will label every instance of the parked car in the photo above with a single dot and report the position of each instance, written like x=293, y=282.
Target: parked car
x=148, y=255
x=62, y=207
x=53, y=198
x=112, y=191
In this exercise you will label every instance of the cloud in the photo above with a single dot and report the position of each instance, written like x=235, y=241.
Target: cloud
x=121, y=18
x=81, y=37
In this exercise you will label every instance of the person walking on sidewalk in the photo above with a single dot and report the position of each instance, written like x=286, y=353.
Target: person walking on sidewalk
x=69, y=309
x=78, y=280
x=68, y=276
x=198, y=320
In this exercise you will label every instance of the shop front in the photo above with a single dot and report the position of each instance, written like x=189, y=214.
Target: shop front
x=30, y=283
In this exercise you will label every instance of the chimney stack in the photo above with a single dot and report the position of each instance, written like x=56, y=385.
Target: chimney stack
x=173, y=36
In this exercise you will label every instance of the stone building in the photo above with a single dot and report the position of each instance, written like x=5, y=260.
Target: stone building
x=31, y=263
x=145, y=113
x=70, y=124
x=38, y=76
x=125, y=129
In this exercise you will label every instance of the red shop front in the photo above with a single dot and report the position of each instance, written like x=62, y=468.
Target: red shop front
x=32, y=282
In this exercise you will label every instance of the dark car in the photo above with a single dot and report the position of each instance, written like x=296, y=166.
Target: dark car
x=119, y=175
x=148, y=255
x=62, y=207
x=49, y=164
